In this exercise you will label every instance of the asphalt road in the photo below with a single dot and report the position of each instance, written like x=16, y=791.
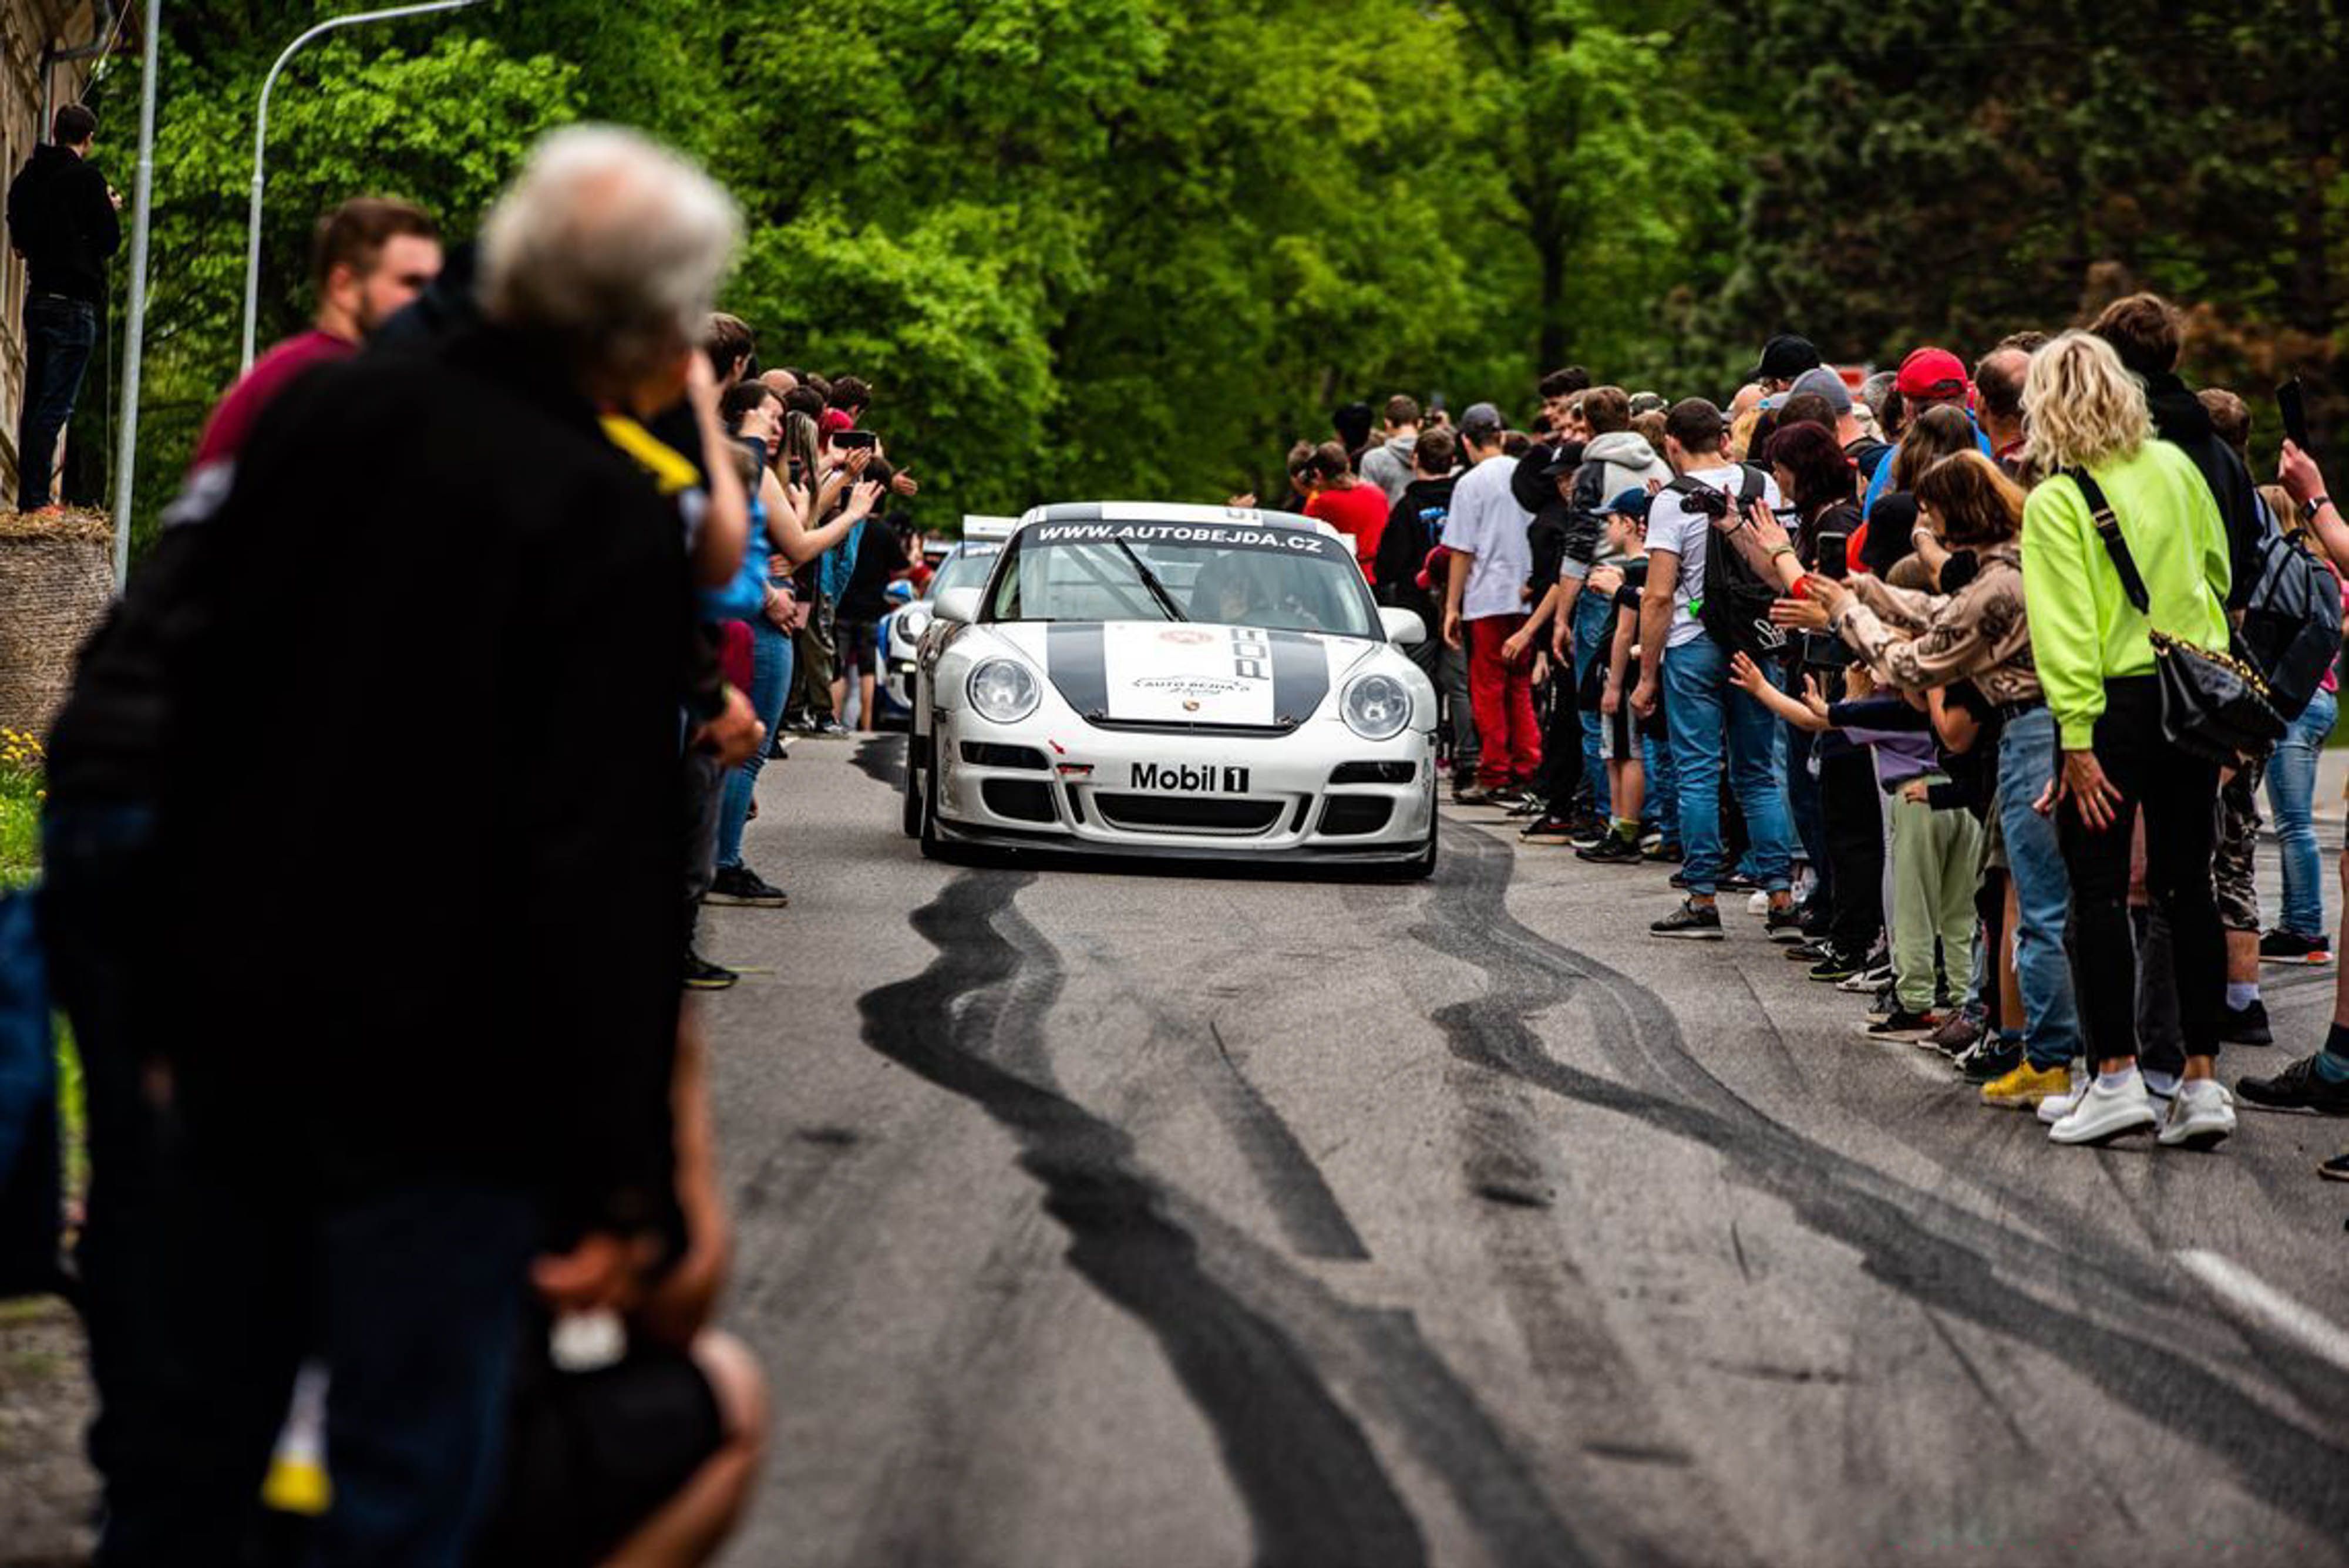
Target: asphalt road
x=1095, y=1217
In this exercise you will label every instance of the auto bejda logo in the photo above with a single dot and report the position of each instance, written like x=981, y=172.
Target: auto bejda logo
x=1181, y=779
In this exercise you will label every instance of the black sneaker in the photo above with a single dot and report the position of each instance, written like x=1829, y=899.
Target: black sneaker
x=831, y=728
x=1783, y=924
x=1691, y=921
x=2299, y=1087
x=779, y=750
x=1680, y=880
x=1664, y=849
x=1818, y=920
x=1530, y=804
x=700, y=974
x=1902, y=1024
x=2245, y=1025
x=1548, y=829
x=2337, y=1168
x=2291, y=947
x=1837, y=966
x=1809, y=952
x=1991, y=1060
x=741, y=885
x=1733, y=882
x=1612, y=850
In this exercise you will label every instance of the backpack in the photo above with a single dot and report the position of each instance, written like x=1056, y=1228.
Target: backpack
x=2292, y=618
x=1733, y=602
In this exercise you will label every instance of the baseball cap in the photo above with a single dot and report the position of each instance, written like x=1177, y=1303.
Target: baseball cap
x=1931, y=373
x=1785, y=357
x=1827, y=385
x=837, y=419
x=1632, y=503
x=1482, y=417
x=1566, y=457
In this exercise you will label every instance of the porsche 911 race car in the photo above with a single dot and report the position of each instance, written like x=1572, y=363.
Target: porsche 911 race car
x=1165, y=681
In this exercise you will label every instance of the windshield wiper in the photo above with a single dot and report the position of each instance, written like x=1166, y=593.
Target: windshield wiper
x=1149, y=580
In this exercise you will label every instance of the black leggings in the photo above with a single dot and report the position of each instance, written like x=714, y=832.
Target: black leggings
x=2178, y=793
x=1850, y=803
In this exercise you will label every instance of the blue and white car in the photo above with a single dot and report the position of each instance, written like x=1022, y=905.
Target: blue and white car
x=964, y=565
x=1174, y=681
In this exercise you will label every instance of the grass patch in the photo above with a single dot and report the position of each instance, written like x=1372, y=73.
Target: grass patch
x=22, y=791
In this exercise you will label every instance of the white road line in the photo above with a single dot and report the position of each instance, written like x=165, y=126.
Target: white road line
x=2253, y=1296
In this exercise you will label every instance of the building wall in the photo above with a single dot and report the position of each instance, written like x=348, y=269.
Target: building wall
x=27, y=27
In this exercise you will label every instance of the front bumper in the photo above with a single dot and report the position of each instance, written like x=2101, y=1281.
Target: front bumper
x=1305, y=795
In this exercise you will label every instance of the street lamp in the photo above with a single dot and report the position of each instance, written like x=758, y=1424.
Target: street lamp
x=261, y=139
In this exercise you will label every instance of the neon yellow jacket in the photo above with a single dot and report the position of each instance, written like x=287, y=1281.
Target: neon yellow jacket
x=2084, y=630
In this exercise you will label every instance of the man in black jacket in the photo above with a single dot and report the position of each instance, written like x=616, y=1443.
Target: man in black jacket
x=401, y=1102
x=65, y=221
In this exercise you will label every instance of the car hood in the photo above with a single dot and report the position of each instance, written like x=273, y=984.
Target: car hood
x=1187, y=672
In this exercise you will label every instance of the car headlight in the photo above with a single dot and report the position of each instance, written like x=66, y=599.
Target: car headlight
x=1003, y=691
x=912, y=624
x=1377, y=707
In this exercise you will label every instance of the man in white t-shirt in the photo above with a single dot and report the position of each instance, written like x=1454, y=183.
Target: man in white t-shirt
x=1708, y=719
x=1484, y=605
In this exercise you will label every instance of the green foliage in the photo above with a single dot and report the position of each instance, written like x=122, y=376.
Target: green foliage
x=1127, y=246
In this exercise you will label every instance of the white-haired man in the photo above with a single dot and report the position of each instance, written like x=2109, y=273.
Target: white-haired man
x=398, y=1108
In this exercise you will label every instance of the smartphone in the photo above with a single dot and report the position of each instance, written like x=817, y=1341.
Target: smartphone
x=1835, y=556
x=2293, y=402
x=852, y=439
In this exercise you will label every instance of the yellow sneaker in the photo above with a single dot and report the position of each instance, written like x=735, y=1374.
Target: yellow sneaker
x=2024, y=1088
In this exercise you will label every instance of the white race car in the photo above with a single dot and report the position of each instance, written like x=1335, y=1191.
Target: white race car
x=1167, y=680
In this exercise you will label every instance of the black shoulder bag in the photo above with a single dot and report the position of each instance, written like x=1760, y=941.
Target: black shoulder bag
x=2214, y=705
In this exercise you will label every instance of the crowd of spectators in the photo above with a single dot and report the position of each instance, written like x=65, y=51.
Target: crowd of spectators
x=1879, y=653
x=419, y=1178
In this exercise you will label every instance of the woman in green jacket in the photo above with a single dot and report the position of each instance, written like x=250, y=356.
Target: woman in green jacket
x=2083, y=411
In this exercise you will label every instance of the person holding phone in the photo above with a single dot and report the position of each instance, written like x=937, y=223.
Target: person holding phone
x=1913, y=642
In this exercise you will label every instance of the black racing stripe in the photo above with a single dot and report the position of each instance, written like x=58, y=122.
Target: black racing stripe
x=1076, y=664
x=1300, y=677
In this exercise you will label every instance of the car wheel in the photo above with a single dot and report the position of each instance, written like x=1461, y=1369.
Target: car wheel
x=909, y=817
x=933, y=846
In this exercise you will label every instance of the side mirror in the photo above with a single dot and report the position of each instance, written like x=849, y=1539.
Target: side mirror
x=1404, y=628
x=959, y=606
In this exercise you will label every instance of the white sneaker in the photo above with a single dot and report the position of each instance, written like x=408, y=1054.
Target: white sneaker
x=2200, y=1116
x=2105, y=1112
x=2055, y=1108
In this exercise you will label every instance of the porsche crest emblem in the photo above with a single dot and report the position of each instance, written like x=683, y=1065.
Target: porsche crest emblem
x=1190, y=704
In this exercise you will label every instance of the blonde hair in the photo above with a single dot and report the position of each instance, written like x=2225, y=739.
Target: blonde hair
x=2081, y=408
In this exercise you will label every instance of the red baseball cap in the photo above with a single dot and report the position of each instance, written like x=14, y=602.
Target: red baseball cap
x=1931, y=373
x=837, y=419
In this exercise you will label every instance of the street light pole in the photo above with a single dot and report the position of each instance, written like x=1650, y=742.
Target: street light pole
x=134, y=334
x=261, y=140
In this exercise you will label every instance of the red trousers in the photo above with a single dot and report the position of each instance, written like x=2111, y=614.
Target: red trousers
x=1501, y=693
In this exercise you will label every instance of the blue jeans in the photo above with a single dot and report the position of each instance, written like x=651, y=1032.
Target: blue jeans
x=1810, y=812
x=2292, y=795
x=1594, y=629
x=1663, y=786
x=1711, y=721
x=2027, y=757
x=771, y=685
x=59, y=334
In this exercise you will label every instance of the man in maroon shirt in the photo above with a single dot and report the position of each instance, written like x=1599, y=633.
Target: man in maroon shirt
x=370, y=258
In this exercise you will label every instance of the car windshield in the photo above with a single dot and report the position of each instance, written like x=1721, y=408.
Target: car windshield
x=1281, y=578
x=963, y=569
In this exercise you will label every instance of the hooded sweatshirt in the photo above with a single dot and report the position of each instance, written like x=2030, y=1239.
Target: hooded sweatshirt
x=1611, y=464
x=2180, y=418
x=60, y=216
x=1389, y=466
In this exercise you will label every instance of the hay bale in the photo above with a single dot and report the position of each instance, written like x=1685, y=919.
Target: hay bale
x=56, y=577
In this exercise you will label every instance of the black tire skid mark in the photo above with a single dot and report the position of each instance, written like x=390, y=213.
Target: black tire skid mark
x=882, y=759
x=1309, y=1213
x=1911, y=1240
x=1386, y=1370
x=1313, y=1488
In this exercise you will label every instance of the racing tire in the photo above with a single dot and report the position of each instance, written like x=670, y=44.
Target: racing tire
x=909, y=816
x=933, y=846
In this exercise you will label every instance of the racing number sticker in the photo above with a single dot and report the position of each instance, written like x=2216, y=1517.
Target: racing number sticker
x=1251, y=655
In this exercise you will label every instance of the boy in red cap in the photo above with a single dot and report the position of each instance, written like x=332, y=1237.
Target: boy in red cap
x=1928, y=377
